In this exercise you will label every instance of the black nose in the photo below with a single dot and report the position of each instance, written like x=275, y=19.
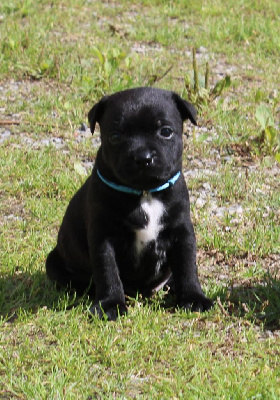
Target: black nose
x=143, y=158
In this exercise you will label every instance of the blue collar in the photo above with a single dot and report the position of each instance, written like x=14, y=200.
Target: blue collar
x=126, y=189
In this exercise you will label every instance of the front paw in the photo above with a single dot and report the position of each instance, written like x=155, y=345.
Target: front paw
x=108, y=310
x=196, y=303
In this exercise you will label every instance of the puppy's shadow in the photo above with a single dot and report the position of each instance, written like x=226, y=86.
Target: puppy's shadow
x=257, y=302
x=28, y=292
x=31, y=291
x=23, y=291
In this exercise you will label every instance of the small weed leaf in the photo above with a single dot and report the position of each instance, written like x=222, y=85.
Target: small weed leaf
x=80, y=169
x=202, y=137
x=108, y=65
x=197, y=85
x=269, y=138
x=220, y=86
x=99, y=55
x=277, y=157
x=264, y=116
x=271, y=134
x=260, y=96
x=45, y=68
x=67, y=105
x=12, y=44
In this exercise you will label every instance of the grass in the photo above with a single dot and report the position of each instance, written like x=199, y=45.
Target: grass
x=56, y=60
x=167, y=354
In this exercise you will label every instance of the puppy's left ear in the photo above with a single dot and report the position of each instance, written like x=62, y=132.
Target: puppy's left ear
x=95, y=113
x=186, y=109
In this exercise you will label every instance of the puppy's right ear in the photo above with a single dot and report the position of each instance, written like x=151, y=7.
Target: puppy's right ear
x=95, y=113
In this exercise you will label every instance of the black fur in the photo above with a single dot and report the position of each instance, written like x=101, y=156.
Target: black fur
x=96, y=241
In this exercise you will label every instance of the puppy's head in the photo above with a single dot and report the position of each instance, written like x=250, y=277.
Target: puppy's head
x=141, y=135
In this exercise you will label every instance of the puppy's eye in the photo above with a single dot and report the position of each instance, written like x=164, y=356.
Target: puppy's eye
x=166, y=132
x=115, y=137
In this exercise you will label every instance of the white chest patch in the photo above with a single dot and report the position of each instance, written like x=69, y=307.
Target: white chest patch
x=154, y=210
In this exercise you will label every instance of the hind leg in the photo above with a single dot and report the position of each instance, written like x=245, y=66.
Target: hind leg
x=58, y=272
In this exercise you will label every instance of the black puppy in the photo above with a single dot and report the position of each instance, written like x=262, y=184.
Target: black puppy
x=128, y=228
